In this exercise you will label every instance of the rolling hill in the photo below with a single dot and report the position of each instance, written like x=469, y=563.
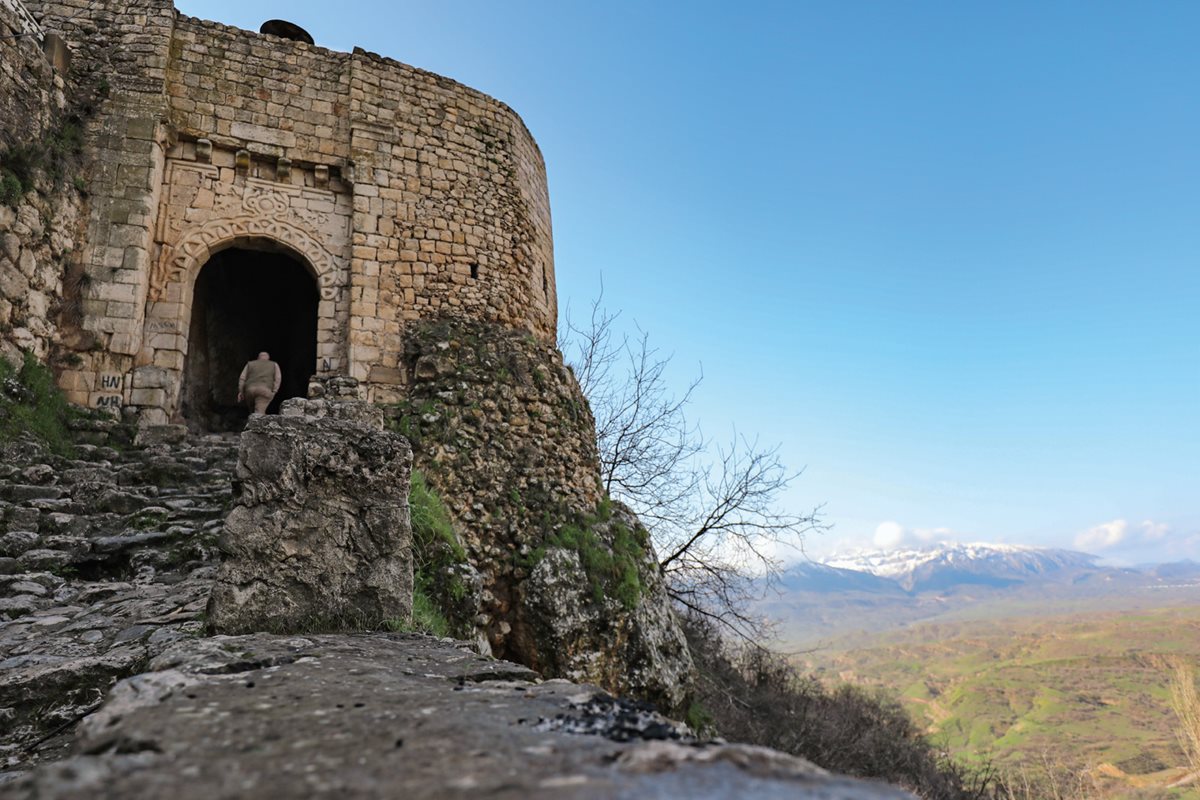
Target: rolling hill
x=1084, y=692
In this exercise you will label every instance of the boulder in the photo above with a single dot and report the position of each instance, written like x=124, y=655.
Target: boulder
x=319, y=537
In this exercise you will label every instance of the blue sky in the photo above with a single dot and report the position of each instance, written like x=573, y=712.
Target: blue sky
x=947, y=254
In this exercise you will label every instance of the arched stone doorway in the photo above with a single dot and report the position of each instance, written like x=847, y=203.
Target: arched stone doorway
x=249, y=298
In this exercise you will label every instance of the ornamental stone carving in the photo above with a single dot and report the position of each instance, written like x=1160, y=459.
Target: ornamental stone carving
x=202, y=210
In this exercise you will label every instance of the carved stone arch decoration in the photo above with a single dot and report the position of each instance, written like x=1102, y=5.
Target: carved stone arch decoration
x=182, y=262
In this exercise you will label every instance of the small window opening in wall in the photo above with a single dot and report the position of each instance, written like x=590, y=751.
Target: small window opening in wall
x=545, y=283
x=475, y=271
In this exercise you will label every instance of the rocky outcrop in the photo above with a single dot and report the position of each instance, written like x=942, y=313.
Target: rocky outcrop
x=624, y=637
x=501, y=429
x=319, y=536
x=395, y=716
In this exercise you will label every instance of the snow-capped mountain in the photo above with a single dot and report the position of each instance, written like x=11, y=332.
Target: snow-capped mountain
x=941, y=566
x=871, y=591
x=811, y=576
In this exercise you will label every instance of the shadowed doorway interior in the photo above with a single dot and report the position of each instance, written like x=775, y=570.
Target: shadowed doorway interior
x=245, y=301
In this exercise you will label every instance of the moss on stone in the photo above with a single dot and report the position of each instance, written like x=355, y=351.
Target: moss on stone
x=611, y=562
x=30, y=402
x=11, y=188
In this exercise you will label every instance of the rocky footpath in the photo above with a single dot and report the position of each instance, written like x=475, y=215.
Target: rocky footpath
x=106, y=558
x=109, y=687
x=394, y=715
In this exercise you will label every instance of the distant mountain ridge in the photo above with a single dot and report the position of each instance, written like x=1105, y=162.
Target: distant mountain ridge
x=874, y=590
x=946, y=565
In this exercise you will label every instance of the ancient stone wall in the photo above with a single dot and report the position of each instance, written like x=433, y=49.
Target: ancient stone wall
x=406, y=195
x=36, y=226
x=273, y=96
x=448, y=216
x=29, y=95
x=119, y=57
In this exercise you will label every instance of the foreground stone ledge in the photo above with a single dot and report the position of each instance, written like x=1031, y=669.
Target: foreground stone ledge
x=394, y=715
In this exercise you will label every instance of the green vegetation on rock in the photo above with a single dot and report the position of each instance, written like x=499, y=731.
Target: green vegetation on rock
x=426, y=618
x=439, y=593
x=30, y=402
x=612, y=563
x=434, y=539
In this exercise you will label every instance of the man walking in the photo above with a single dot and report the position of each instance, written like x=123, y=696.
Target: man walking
x=259, y=382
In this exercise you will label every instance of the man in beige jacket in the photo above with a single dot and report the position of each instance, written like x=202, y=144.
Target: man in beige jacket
x=259, y=382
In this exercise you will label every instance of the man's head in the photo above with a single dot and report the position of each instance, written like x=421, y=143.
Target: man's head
x=264, y=356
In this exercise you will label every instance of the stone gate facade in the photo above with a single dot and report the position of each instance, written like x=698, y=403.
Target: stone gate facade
x=401, y=194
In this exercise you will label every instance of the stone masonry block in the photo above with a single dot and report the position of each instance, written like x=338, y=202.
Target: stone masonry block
x=117, y=292
x=151, y=378
x=125, y=344
x=169, y=359
x=148, y=397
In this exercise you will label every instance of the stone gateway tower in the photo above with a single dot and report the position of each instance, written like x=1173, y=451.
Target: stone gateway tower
x=178, y=195
x=251, y=192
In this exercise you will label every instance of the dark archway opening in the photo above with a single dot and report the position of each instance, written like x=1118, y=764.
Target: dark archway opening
x=246, y=301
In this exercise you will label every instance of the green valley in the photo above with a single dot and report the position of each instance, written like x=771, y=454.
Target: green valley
x=1086, y=693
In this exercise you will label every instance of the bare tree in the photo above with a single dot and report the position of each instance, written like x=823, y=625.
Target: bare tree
x=712, y=511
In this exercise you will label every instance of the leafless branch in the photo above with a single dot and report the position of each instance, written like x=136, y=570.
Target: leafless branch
x=713, y=511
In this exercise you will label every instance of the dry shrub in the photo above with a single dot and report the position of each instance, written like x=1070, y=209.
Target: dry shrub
x=752, y=695
x=1186, y=705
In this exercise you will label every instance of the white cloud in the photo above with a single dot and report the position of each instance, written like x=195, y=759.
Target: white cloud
x=889, y=535
x=1104, y=536
x=1120, y=533
x=1154, y=531
x=926, y=535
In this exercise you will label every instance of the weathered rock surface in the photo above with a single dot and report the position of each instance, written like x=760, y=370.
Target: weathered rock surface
x=394, y=716
x=633, y=648
x=319, y=536
x=98, y=580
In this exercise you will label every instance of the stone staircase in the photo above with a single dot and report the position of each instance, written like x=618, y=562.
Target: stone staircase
x=106, y=558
